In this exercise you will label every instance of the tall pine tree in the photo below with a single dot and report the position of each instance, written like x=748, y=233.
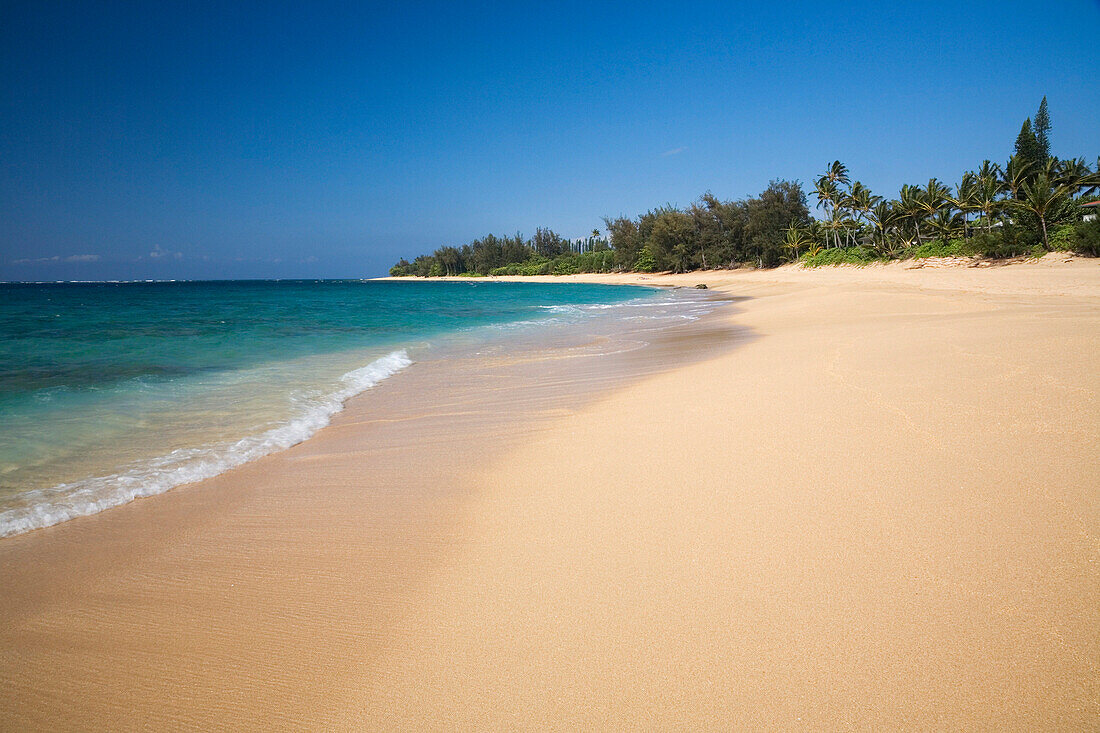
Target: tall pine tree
x=1028, y=148
x=1042, y=129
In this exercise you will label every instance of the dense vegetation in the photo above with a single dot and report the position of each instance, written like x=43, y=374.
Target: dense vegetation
x=1030, y=205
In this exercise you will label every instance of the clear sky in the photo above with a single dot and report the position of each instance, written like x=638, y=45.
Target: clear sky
x=322, y=139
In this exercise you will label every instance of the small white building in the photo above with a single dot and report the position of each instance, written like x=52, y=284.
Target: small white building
x=1091, y=209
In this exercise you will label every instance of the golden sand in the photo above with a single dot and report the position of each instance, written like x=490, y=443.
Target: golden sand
x=882, y=512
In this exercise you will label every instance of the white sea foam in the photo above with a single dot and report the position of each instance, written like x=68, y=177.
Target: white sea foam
x=560, y=308
x=45, y=507
x=664, y=302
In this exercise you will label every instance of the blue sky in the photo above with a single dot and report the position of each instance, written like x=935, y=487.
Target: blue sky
x=196, y=140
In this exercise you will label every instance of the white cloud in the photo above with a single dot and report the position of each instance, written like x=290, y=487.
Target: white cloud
x=55, y=258
x=674, y=151
x=158, y=253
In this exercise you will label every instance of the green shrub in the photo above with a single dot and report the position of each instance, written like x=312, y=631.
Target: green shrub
x=1003, y=242
x=986, y=243
x=1088, y=238
x=842, y=256
x=1063, y=238
x=533, y=266
x=600, y=261
x=940, y=248
x=645, y=262
x=565, y=266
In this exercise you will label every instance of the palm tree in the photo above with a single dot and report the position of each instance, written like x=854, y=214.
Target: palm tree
x=795, y=239
x=837, y=222
x=946, y=224
x=933, y=198
x=965, y=198
x=1044, y=200
x=847, y=210
x=815, y=235
x=910, y=205
x=1073, y=174
x=985, y=199
x=827, y=195
x=884, y=217
x=1089, y=185
x=861, y=200
x=989, y=171
x=1016, y=172
x=837, y=173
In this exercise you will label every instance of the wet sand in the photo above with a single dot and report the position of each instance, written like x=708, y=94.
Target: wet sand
x=859, y=499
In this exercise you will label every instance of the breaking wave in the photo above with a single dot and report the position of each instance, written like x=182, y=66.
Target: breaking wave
x=45, y=507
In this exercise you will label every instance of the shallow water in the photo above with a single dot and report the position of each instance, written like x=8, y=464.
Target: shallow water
x=112, y=391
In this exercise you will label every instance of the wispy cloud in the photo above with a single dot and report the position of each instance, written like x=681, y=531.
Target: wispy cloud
x=674, y=151
x=55, y=258
x=159, y=253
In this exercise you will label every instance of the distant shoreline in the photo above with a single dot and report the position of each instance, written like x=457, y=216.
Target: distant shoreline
x=897, y=270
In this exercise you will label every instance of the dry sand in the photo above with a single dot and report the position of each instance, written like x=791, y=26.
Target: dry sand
x=883, y=512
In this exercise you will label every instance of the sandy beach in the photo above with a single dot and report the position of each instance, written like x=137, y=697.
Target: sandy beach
x=855, y=499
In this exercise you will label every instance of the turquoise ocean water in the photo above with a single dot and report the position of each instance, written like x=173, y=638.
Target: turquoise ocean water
x=112, y=391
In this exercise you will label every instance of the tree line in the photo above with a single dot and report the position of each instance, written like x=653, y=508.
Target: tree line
x=1031, y=204
x=546, y=253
